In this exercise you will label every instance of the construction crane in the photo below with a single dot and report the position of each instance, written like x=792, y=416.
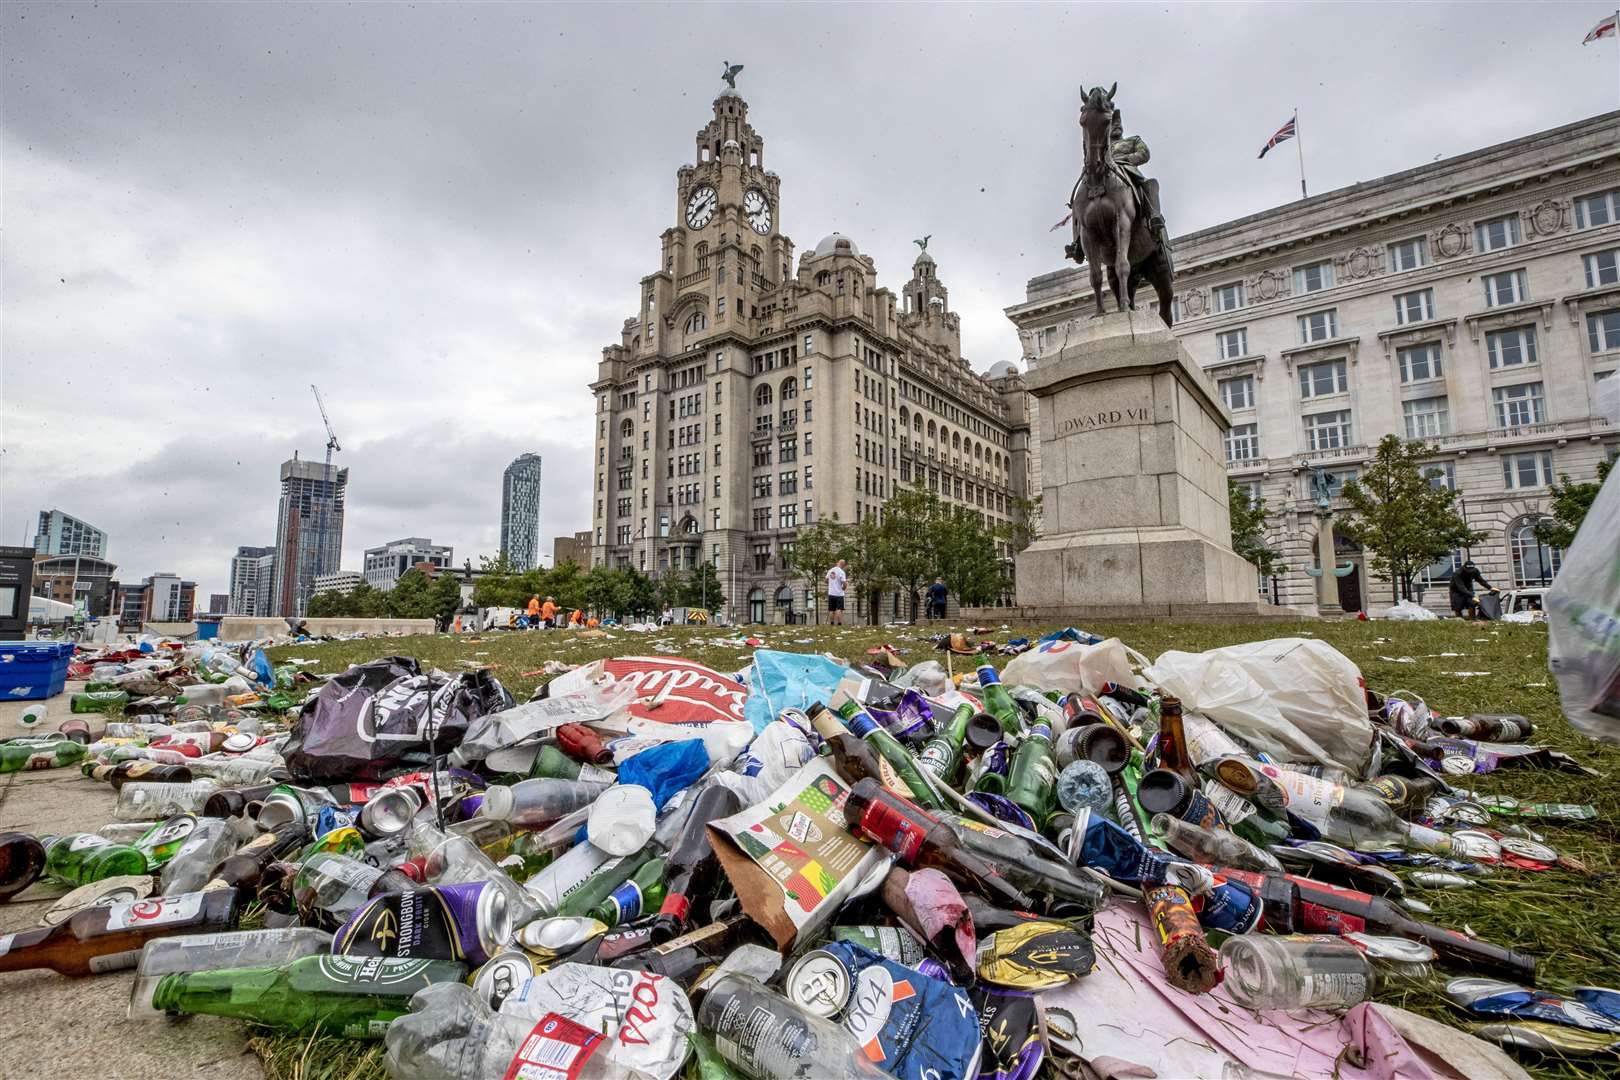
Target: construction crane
x=327, y=487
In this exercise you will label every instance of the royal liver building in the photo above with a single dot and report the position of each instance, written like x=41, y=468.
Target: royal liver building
x=752, y=394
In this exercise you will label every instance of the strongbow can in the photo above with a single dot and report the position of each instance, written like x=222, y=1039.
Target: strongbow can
x=467, y=922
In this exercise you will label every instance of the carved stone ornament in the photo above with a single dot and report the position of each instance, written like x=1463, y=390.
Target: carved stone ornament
x=1549, y=216
x=1194, y=302
x=1268, y=285
x=1451, y=241
x=1361, y=263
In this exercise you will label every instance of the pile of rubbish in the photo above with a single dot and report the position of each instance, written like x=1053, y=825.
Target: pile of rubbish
x=1088, y=864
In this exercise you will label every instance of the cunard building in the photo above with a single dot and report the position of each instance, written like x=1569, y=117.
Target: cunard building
x=753, y=392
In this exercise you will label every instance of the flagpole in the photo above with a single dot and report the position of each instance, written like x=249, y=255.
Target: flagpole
x=1299, y=145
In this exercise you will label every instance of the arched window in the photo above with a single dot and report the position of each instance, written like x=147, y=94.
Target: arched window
x=916, y=424
x=930, y=429
x=627, y=430
x=784, y=597
x=756, y=605
x=697, y=321
x=956, y=440
x=762, y=396
x=905, y=417
x=702, y=256
x=824, y=278
x=790, y=388
x=1534, y=563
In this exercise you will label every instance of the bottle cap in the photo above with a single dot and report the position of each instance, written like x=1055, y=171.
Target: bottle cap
x=498, y=800
x=622, y=819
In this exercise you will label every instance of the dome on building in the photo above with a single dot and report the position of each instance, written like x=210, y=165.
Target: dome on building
x=924, y=257
x=836, y=244
x=1001, y=369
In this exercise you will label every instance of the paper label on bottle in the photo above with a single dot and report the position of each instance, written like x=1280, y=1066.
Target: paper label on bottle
x=1332, y=987
x=5, y=943
x=591, y=774
x=85, y=841
x=1308, y=797
x=1233, y=807
x=144, y=914
x=118, y=961
x=555, y=1049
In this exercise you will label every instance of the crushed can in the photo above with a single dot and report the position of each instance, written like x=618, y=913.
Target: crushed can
x=910, y=1025
x=1591, y=1008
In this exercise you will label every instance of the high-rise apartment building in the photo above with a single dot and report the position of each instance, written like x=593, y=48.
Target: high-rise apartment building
x=252, y=572
x=386, y=564
x=63, y=534
x=520, y=512
x=750, y=395
x=309, y=531
x=1472, y=303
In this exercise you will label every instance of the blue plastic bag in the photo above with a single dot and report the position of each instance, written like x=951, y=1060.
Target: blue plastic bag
x=666, y=769
x=261, y=668
x=784, y=680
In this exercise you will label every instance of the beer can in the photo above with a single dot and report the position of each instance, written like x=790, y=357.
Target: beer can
x=501, y=974
x=389, y=811
x=468, y=922
x=819, y=983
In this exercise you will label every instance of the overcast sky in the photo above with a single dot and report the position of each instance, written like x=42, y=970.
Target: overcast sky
x=440, y=212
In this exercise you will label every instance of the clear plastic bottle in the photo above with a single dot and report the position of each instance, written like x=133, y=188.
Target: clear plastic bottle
x=451, y=1034
x=1215, y=847
x=531, y=803
x=137, y=802
x=334, y=884
x=217, y=952
x=211, y=842
x=767, y=1037
x=1295, y=972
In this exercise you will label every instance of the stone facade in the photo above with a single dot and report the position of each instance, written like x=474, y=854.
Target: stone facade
x=751, y=394
x=1473, y=302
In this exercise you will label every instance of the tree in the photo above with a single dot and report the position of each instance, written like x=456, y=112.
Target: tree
x=444, y=594
x=868, y=557
x=566, y=585
x=914, y=525
x=815, y=549
x=633, y=593
x=1024, y=528
x=965, y=556
x=1570, y=502
x=498, y=585
x=596, y=590
x=411, y=597
x=703, y=589
x=1401, y=518
x=1249, y=531
x=671, y=588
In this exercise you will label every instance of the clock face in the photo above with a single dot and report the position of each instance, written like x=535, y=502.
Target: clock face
x=758, y=209
x=701, y=206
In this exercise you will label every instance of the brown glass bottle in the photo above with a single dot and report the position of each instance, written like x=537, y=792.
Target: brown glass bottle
x=99, y=939
x=852, y=756
x=243, y=871
x=234, y=802
x=1173, y=753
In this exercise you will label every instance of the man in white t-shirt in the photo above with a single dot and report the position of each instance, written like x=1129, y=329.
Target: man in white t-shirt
x=837, y=579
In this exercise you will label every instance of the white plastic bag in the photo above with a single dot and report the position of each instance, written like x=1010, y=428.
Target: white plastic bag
x=1407, y=611
x=1583, y=620
x=1070, y=667
x=1297, y=699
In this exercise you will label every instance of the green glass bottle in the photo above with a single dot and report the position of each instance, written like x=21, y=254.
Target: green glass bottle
x=1032, y=777
x=80, y=858
x=998, y=703
x=552, y=763
x=96, y=702
x=164, y=840
x=355, y=997
x=941, y=755
x=860, y=723
x=602, y=882
x=23, y=755
x=644, y=892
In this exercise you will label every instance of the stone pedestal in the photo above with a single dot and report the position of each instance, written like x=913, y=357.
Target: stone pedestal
x=1135, y=516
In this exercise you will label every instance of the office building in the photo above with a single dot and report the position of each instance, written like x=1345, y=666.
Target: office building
x=384, y=565
x=1473, y=303
x=252, y=571
x=520, y=512
x=575, y=549
x=750, y=394
x=341, y=582
x=162, y=597
x=309, y=531
x=81, y=580
x=63, y=534
x=218, y=603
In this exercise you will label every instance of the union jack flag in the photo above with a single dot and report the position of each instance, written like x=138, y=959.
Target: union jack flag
x=1284, y=133
x=1605, y=28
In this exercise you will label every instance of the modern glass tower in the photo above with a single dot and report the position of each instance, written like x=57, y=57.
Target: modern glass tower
x=520, y=512
x=309, y=531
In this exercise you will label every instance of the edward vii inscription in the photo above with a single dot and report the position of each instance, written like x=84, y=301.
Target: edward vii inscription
x=1106, y=418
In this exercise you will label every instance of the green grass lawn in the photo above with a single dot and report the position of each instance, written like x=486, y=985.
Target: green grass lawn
x=1570, y=921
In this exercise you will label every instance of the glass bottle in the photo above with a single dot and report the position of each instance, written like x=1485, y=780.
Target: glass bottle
x=1032, y=776
x=1214, y=847
x=889, y=748
x=211, y=842
x=451, y=1034
x=1300, y=971
x=767, y=1037
x=941, y=755
x=692, y=867
x=98, y=939
x=139, y=801
x=532, y=803
x=80, y=858
x=999, y=703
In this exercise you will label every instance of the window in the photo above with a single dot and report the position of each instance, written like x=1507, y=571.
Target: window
x=762, y=396
x=788, y=516
x=1527, y=470
x=1243, y=443
x=762, y=557
x=809, y=510
x=719, y=307
x=790, y=389
x=1313, y=278
x=1534, y=563
x=1603, y=330
x=788, y=482
x=1519, y=405
x=1409, y=254
x=1413, y=307
x=1319, y=326
x=1511, y=348
x=788, y=449
x=717, y=389
x=1508, y=287
x=1327, y=431
x=1328, y=377
x=1238, y=393
x=809, y=347
x=698, y=321
x=1231, y=344
x=716, y=525
x=1441, y=570
x=1497, y=233
x=1602, y=268
x=762, y=486
x=1602, y=208
x=762, y=518
x=1426, y=417
x=1250, y=488
x=809, y=446
x=762, y=454
x=1229, y=297
x=1442, y=474
x=809, y=410
x=809, y=478
x=622, y=534
x=809, y=373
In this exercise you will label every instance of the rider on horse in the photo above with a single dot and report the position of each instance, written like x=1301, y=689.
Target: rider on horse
x=1129, y=153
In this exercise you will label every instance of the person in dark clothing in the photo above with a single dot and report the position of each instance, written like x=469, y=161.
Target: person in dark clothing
x=1464, y=601
x=936, y=599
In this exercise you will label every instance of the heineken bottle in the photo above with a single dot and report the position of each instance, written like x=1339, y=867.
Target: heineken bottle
x=97, y=701
x=22, y=755
x=1032, y=776
x=164, y=840
x=98, y=939
x=860, y=723
x=643, y=892
x=551, y=763
x=355, y=997
x=941, y=755
x=80, y=858
x=999, y=703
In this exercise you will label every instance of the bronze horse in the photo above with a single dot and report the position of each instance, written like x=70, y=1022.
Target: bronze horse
x=1110, y=220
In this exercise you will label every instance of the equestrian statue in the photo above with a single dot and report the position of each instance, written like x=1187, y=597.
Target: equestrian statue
x=1114, y=210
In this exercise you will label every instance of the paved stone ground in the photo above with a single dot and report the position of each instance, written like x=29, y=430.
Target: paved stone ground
x=61, y=1028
